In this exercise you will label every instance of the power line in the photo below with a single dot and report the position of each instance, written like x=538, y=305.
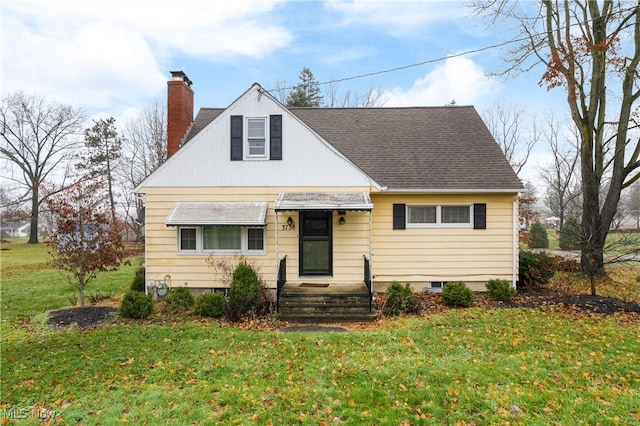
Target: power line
x=440, y=59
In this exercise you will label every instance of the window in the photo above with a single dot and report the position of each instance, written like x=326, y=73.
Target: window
x=187, y=239
x=429, y=216
x=255, y=239
x=455, y=214
x=223, y=239
x=421, y=214
x=256, y=137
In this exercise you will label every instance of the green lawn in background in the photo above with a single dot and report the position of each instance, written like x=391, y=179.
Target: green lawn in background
x=467, y=366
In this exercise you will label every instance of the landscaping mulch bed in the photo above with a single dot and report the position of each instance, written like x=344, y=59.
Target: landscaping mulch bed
x=577, y=305
x=88, y=316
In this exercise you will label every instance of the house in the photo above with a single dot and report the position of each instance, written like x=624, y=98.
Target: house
x=330, y=197
x=15, y=229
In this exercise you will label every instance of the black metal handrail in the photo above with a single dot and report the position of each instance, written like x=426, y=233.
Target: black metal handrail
x=367, y=280
x=282, y=279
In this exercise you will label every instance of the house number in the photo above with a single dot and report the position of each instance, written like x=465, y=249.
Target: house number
x=291, y=227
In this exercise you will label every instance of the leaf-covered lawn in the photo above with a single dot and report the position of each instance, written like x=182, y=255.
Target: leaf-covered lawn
x=464, y=366
x=474, y=366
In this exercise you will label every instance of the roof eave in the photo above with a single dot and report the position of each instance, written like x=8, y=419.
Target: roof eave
x=452, y=190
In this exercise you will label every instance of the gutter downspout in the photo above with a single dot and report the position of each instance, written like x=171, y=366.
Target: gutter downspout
x=371, y=250
x=514, y=260
x=277, y=256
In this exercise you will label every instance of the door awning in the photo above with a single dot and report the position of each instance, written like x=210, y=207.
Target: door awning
x=294, y=201
x=220, y=213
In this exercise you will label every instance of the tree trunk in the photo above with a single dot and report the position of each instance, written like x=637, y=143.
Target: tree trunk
x=593, y=240
x=33, y=233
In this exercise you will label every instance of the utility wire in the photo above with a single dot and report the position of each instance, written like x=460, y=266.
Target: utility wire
x=440, y=59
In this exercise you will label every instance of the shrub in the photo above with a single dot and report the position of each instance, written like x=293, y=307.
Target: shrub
x=210, y=305
x=562, y=264
x=244, y=292
x=179, y=300
x=535, y=269
x=570, y=234
x=400, y=299
x=138, y=283
x=500, y=290
x=457, y=293
x=539, y=238
x=136, y=305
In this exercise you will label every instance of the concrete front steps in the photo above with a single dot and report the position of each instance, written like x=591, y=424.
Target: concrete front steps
x=335, y=303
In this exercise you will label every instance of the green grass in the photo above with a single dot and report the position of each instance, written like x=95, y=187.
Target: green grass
x=30, y=286
x=617, y=242
x=515, y=366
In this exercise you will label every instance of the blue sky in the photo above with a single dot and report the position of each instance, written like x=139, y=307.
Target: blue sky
x=113, y=58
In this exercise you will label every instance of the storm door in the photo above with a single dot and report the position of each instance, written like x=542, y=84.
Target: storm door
x=316, y=243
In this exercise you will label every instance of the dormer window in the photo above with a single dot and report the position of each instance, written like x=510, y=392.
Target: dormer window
x=256, y=137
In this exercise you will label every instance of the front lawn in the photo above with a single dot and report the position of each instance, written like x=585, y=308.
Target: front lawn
x=467, y=366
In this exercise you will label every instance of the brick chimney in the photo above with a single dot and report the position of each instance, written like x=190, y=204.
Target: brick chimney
x=179, y=110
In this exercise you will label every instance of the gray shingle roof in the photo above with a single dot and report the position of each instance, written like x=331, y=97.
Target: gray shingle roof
x=414, y=148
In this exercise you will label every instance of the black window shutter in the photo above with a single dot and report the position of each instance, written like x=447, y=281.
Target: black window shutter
x=480, y=216
x=399, y=216
x=275, y=137
x=236, y=138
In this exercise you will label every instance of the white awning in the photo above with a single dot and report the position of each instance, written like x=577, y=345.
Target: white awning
x=294, y=201
x=221, y=213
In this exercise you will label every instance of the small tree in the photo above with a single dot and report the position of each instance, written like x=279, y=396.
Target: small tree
x=86, y=240
x=539, y=237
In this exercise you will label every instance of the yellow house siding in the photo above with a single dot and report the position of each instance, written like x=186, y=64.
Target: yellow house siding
x=350, y=241
x=422, y=255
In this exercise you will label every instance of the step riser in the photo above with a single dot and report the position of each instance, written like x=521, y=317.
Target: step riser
x=298, y=305
x=325, y=309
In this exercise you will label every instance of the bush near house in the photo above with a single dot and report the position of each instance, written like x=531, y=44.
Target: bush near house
x=138, y=283
x=136, y=305
x=457, y=293
x=179, y=300
x=244, y=292
x=498, y=289
x=210, y=305
x=535, y=269
x=539, y=238
x=400, y=299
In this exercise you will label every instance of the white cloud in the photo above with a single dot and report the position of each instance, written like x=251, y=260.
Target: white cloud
x=397, y=17
x=99, y=54
x=458, y=79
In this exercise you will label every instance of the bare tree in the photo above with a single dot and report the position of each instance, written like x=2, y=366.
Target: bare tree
x=515, y=132
x=591, y=50
x=633, y=203
x=560, y=177
x=37, y=137
x=281, y=90
x=145, y=150
x=373, y=97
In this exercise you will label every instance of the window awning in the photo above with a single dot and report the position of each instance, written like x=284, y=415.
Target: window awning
x=294, y=201
x=220, y=213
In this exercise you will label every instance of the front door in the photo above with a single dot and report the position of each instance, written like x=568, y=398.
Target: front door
x=316, y=243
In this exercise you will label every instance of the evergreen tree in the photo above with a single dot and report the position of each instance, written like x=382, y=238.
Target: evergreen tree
x=104, y=149
x=539, y=237
x=307, y=92
x=570, y=234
